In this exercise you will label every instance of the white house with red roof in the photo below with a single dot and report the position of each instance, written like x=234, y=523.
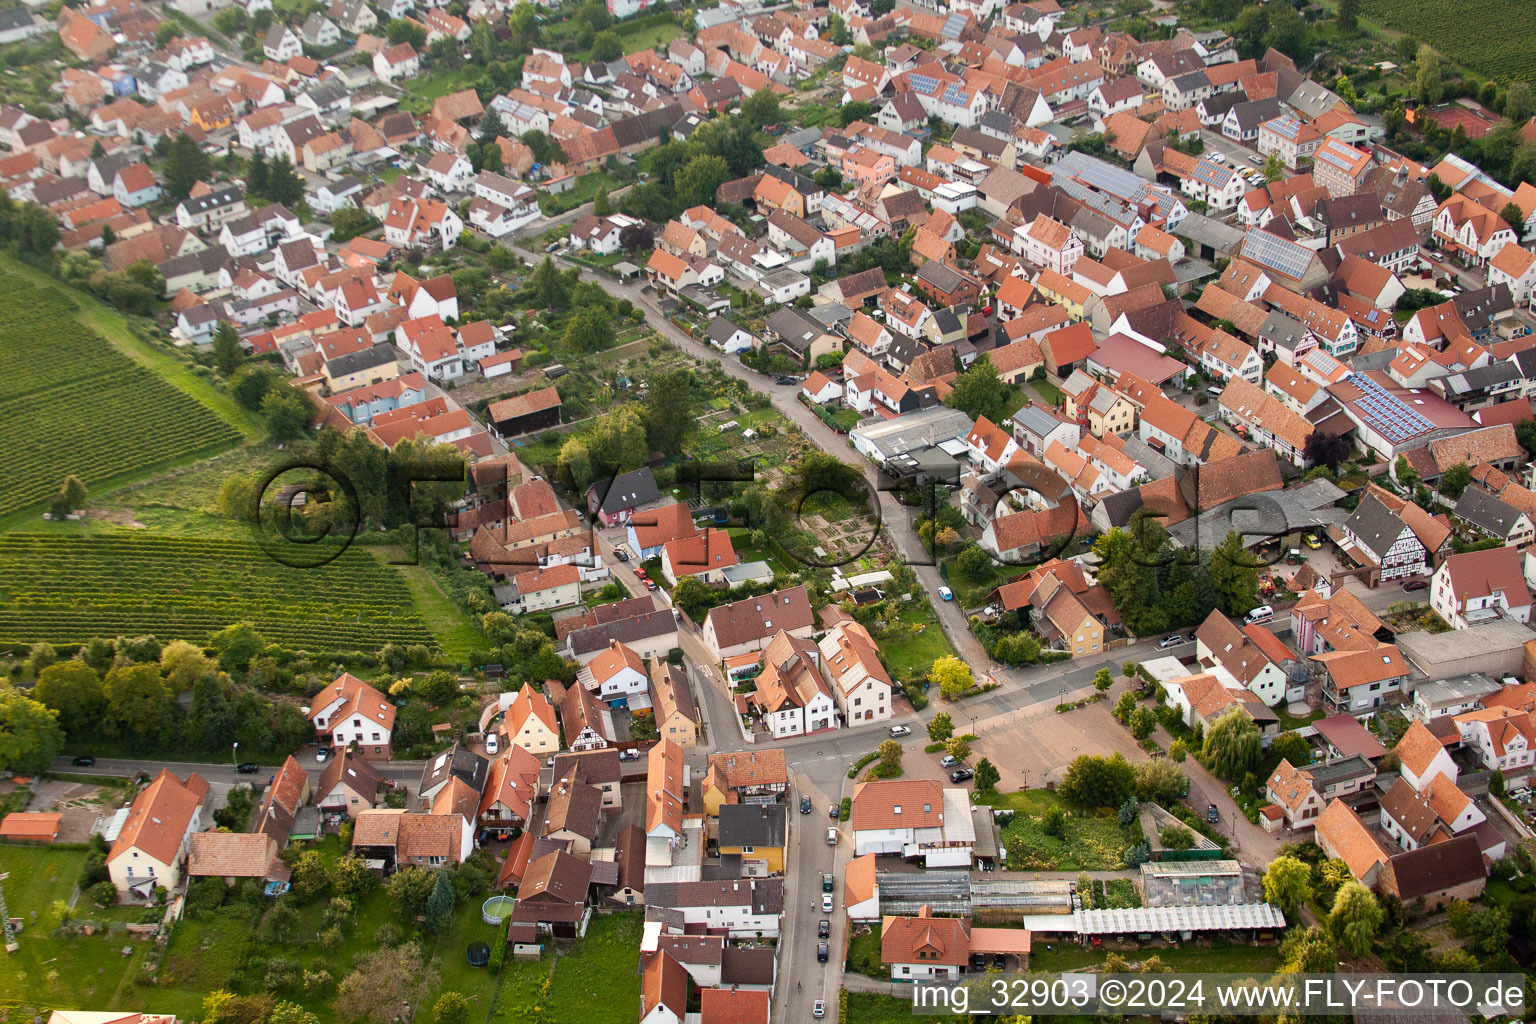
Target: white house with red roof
x=351, y=713
x=151, y=848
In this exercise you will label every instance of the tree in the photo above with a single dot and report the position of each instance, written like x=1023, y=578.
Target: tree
x=940, y=727
x=590, y=329
x=1455, y=480
x=953, y=676
x=987, y=775
x=288, y=413
x=451, y=1008
x=1159, y=780
x=1288, y=746
x=1232, y=746
x=762, y=109
x=70, y=497
x=1347, y=17
x=1287, y=883
x=385, y=985
x=1355, y=918
x=283, y=183
x=696, y=182
x=1234, y=575
x=137, y=699
x=1098, y=781
x=439, y=910
x=957, y=747
x=74, y=690
x=1324, y=449
x=30, y=736
x=979, y=391
x=607, y=46
x=1103, y=679
x=1428, y=79
x=890, y=754
x=1518, y=104
x=227, y=351
x=236, y=645
x=185, y=165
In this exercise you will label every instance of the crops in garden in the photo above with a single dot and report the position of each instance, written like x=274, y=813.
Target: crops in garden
x=73, y=589
x=73, y=404
x=1480, y=35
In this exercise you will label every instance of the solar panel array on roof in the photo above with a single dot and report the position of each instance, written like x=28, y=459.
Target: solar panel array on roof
x=955, y=94
x=1387, y=414
x=925, y=84
x=1278, y=254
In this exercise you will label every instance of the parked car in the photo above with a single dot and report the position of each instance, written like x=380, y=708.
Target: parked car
x=823, y=952
x=826, y=903
x=805, y=805
x=946, y=593
x=247, y=768
x=901, y=730
x=1170, y=641
x=1416, y=584
x=961, y=774
x=1212, y=815
x=949, y=761
x=824, y=930
x=819, y=1009
x=84, y=762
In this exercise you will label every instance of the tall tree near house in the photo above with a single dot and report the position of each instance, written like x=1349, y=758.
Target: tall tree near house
x=228, y=353
x=185, y=165
x=1428, y=78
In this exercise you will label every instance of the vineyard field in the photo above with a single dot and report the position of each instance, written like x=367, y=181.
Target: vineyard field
x=74, y=404
x=73, y=589
x=1480, y=35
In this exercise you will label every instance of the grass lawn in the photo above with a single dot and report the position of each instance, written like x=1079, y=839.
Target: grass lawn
x=582, y=192
x=1090, y=844
x=1024, y=801
x=87, y=972
x=1049, y=393
x=911, y=645
x=1216, y=958
x=597, y=983
x=455, y=629
x=649, y=37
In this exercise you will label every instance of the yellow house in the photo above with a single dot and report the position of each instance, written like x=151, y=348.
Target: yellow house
x=757, y=833
x=530, y=722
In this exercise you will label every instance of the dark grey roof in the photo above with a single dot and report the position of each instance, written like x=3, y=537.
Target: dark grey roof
x=754, y=825
x=366, y=359
x=629, y=490
x=1376, y=526
x=1486, y=512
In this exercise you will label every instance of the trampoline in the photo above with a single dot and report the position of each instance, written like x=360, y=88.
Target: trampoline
x=478, y=954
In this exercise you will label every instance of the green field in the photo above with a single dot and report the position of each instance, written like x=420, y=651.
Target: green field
x=75, y=403
x=53, y=971
x=1460, y=31
x=68, y=589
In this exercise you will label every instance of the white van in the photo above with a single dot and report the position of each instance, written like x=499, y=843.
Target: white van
x=1263, y=613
